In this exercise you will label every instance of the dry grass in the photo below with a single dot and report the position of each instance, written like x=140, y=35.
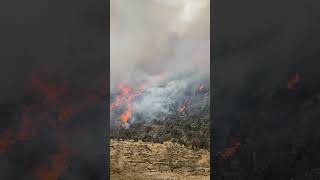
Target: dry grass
x=168, y=161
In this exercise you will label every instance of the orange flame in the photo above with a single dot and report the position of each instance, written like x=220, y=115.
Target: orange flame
x=228, y=152
x=127, y=114
x=293, y=82
x=201, y=88
x=58, y=163
x=34, y=116
x=126, y=98
x=183, y=107
x=6, y=140
x=28, y=129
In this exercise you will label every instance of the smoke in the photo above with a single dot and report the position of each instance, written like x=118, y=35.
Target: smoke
x=162, y=45
x=151, y=37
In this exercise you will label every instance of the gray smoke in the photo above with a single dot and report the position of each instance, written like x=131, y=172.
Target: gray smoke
x=160, y=99
x=162, y=44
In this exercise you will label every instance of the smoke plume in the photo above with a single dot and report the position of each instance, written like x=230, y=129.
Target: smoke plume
x=160, y=45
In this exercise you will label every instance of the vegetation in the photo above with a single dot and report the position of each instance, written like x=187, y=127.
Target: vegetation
x=189, y=129
x=157, y=161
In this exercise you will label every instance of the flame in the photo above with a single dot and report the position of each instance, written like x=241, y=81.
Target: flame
x=228, y=152
x=54, y=99
x=59, y=162
x=183, y=107
x=201, y=88
x=6, y=140
x=29, y=128
x=51, y=91
x=127, y=114
x=293, y=82
x=125, y=98
x=116, y=104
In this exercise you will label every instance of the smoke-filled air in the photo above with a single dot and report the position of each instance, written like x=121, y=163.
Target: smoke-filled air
x=159, y=57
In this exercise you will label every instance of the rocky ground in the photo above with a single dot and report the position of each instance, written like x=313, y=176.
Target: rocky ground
x=132, y=160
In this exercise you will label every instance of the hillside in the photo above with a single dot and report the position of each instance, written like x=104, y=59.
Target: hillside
x=170, y=144
x=190, y=127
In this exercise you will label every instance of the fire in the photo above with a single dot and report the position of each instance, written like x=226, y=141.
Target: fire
x=51, y=91
x=115, y=104
x=293, y=82
x=59, y=161
x=228, y=152
x=6, y=140
x=29, y=128
x=126, y=98
x=201, y=88
x=124, y=89
x=128, y=94
x=183, y=107
x=54, y=98
x=125, y=117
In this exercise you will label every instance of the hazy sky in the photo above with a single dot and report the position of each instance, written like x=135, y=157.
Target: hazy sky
x=152, y=38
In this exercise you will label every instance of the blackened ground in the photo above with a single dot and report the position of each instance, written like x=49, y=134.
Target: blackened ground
x=190, y=127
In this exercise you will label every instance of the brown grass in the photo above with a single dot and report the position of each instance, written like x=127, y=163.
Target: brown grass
x=154, y=161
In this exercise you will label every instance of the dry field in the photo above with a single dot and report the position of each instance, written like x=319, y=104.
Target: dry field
x=154, y=161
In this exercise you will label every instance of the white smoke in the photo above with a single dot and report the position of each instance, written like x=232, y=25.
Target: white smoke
x=153, y=41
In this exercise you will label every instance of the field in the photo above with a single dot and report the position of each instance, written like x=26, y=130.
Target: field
x=139, y=160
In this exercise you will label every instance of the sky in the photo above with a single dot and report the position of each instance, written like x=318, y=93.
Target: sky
x=152, y=38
